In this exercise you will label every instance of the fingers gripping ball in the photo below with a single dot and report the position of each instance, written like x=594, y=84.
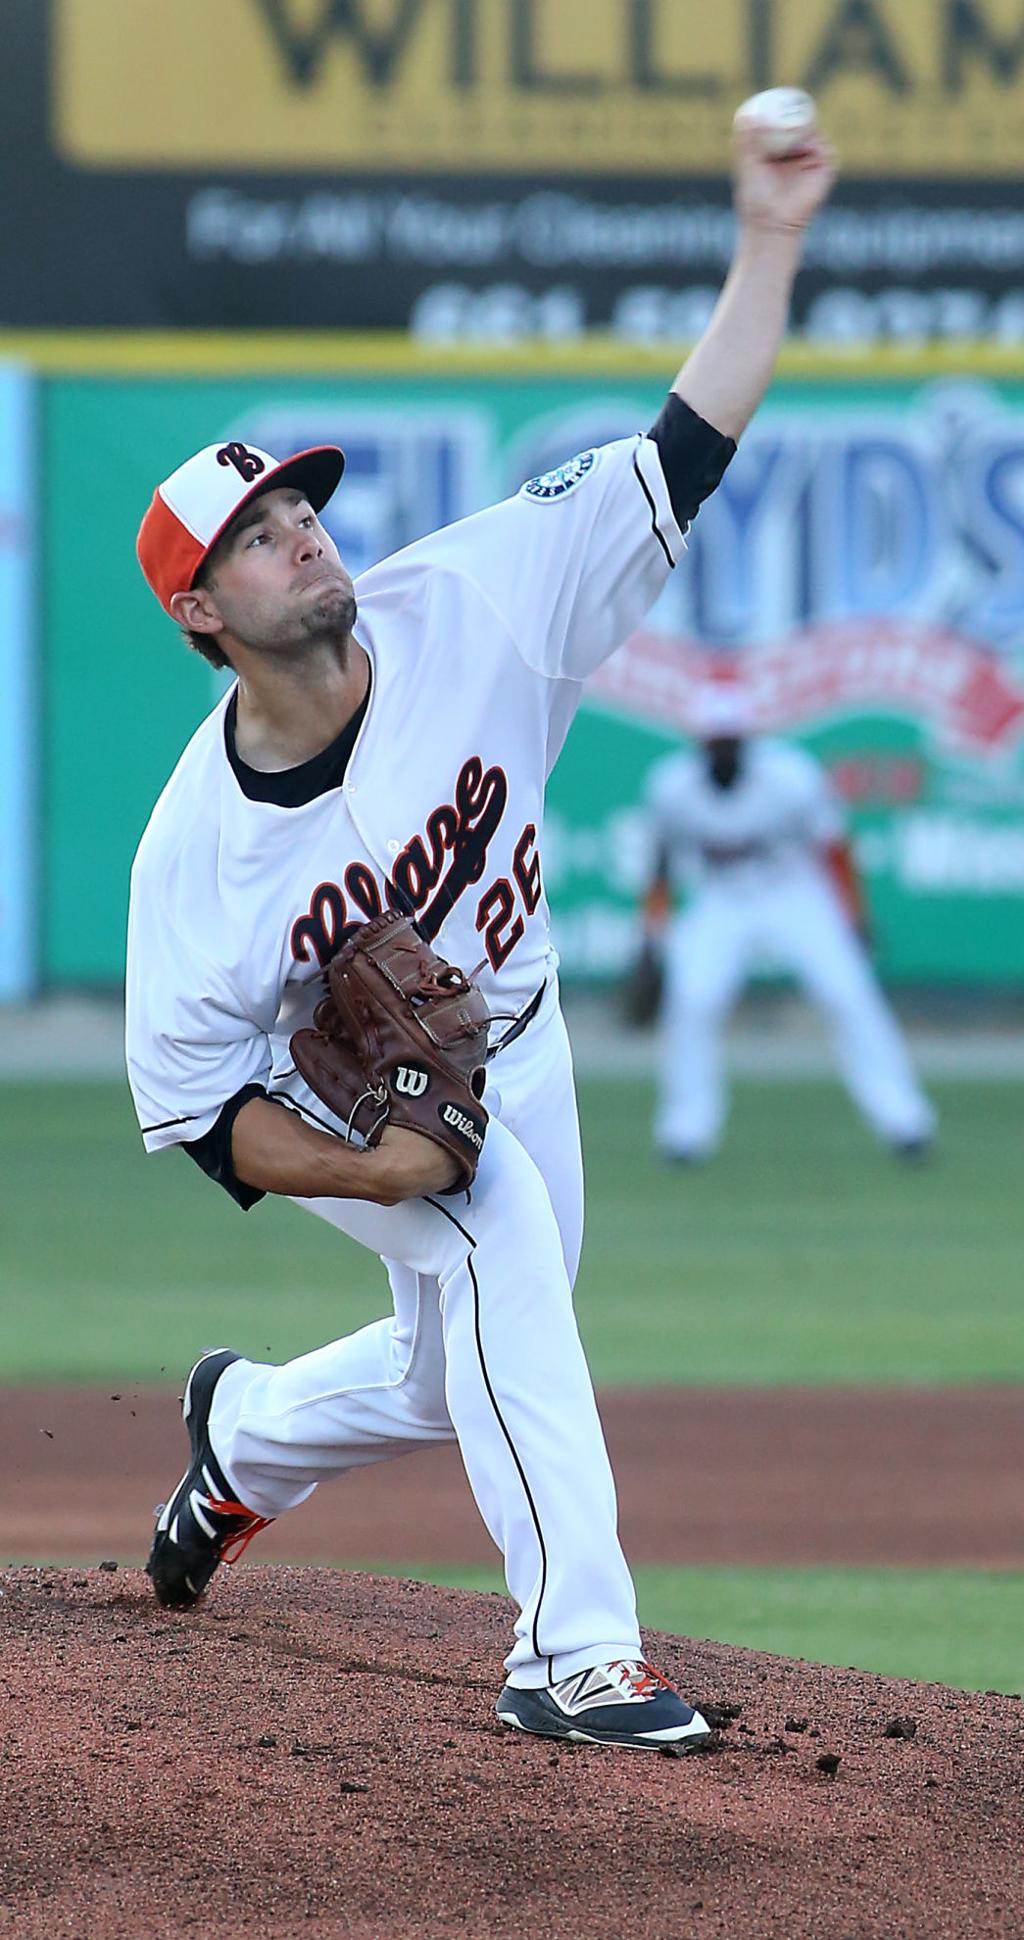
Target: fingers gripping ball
x=781, y=120
x=400, y=1039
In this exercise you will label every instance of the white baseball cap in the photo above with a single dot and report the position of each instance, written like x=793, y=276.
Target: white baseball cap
x=196, y=504
x=722, y=710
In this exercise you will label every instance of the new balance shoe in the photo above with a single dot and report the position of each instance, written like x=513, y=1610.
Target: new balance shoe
x=200, y=1527
x=610, y=1704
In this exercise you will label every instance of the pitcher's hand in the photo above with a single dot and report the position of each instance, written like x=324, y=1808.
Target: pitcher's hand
x=781, y=195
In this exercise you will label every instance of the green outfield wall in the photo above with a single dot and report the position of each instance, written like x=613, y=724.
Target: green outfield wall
x=863, y=563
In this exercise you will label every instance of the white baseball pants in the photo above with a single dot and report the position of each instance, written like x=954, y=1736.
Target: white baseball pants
x=799, y=924
x=483, y=1344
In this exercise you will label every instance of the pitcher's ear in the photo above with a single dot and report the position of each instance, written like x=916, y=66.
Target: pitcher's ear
x=196, y=612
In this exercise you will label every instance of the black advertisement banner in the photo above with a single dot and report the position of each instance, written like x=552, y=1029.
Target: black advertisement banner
x=499, y=169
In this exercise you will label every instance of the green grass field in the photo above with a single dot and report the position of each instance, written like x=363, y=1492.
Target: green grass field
x=958, y=1627
x=804, y=1254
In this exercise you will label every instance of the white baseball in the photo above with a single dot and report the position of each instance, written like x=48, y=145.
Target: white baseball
x=782, y=119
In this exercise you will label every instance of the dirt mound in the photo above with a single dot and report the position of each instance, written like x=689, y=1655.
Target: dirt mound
x=316, y=1753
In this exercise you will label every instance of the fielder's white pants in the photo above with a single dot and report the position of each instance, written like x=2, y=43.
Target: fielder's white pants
x=482, y=1345
x=796, y=921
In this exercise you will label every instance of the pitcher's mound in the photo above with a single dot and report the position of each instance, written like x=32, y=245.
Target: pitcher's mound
x=316, y=1753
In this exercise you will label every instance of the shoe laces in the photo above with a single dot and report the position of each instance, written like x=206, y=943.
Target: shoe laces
x=239, y=1540
x=642, y=1678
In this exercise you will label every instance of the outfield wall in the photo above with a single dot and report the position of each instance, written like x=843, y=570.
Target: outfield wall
x=863, y=563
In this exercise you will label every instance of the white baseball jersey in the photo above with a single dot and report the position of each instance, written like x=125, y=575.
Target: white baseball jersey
x=771, y=824
x=763, y=895
x=479, y=639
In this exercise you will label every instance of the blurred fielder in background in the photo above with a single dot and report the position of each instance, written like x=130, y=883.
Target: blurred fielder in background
x=753, y=830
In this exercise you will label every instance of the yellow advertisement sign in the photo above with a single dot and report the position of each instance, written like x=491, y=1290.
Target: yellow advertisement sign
x=634, y=87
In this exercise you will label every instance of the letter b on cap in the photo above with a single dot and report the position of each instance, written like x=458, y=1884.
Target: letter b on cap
x=245, y=462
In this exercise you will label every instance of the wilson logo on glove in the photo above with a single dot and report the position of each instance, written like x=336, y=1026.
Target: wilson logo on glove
x=410, y=1080
x=398, y=1022
x=469, y=1129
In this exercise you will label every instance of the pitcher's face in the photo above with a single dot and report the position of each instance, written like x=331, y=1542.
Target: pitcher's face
x=275, y=578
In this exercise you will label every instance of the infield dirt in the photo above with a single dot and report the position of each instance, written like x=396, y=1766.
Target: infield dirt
x=314, y=1753
x=749, y=1476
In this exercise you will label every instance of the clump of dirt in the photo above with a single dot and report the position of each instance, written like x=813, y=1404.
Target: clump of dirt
x=316, y=1753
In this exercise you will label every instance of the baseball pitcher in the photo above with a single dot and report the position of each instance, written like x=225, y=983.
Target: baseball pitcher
x=343, y=869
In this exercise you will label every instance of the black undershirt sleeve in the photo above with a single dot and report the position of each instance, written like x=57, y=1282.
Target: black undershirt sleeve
x=693, y=456
x=212, y=1152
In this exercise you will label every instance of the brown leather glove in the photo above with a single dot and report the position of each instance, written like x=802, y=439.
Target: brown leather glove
x=400, y=1039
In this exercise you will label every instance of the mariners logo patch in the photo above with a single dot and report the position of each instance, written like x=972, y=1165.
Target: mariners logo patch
x=563, y=479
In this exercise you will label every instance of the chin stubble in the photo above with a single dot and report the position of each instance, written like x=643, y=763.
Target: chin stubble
x=331, y=619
